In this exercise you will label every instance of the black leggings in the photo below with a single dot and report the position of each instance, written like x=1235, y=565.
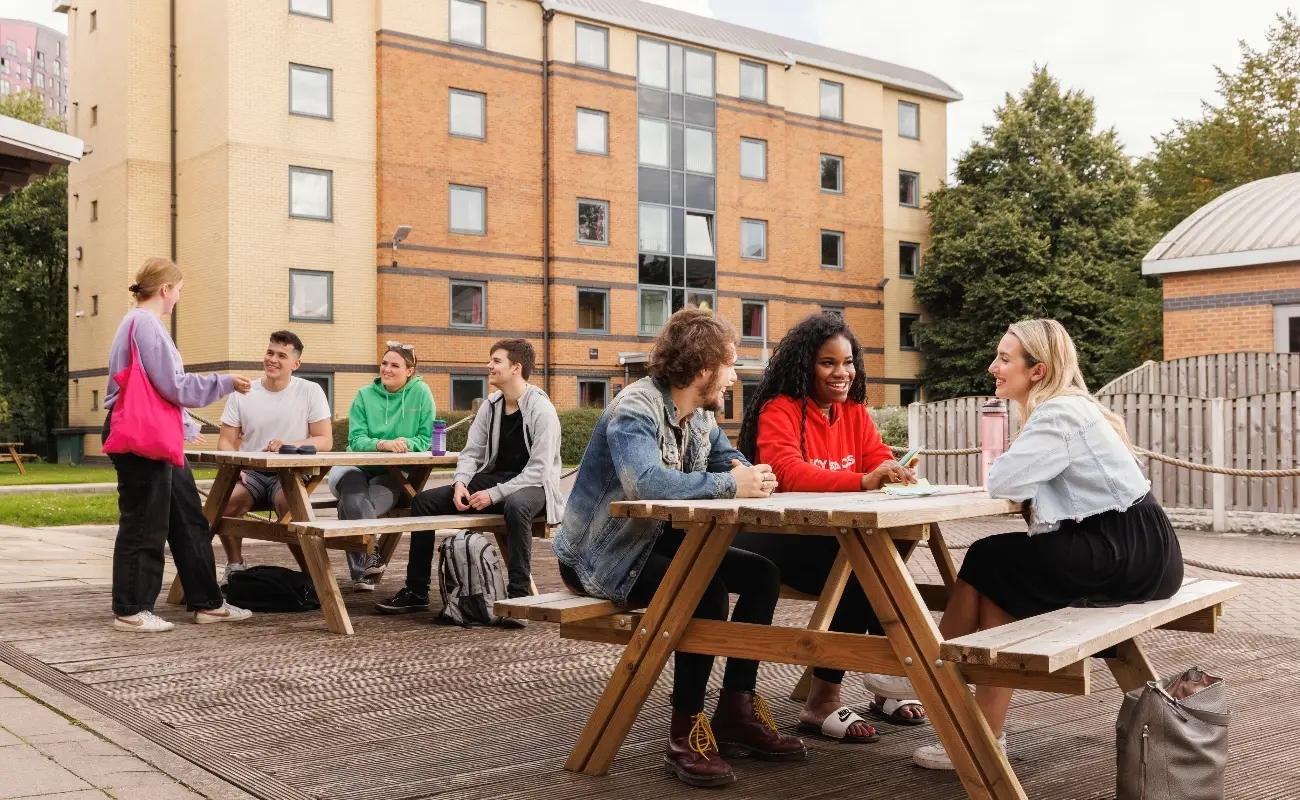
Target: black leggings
x=756, y=581
x=805, y=562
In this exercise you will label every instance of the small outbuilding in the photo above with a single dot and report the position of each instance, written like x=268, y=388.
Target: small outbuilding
x=30, y=151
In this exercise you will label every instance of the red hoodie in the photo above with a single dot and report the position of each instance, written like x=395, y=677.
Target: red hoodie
x=839, y=451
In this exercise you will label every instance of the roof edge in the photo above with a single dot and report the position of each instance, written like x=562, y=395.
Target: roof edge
x=55, y=146
x=1242, y=258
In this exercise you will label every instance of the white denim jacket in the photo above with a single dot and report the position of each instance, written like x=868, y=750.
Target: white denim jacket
x=1070, y=463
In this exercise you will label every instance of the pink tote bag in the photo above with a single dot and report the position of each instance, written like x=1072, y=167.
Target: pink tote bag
x=144, y=423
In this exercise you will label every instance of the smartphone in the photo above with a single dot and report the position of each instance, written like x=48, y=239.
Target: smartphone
x=909, y=457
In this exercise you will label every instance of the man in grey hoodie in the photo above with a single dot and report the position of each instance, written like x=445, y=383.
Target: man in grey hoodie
x=510, y=465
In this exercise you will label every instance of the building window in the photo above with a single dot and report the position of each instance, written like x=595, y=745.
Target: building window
x=94, y=116
x=753, y=159
x=652, y=142
x=908, y=393
x=311, y=193
x=748, y=393
x=832, y=105
x=4, y=66
x=699, y=73
x=906, y=333
x=325, y=380
x=11, y=47
x=40, y=60
x=94, y=305
x=468, y=22
x=310, y=90
x=753, y=81
x=465, y=389
x=311, y=8
x=58, y=50
x=40, y=80
x=4, y=87
x=836, y=310
x=467, y=114
x=832, y=250
x=468, y=210
x=592, y=46
x=94, y=210
x=94, y=399
x=593, y=310
x=652, y=63
x=909, y=189
x=753, y=239
x=699, y=151
x=653, y=229
x=592, y=393
x=832, y=174
x=909, y=259
x=593, y=221
x=29, y=59
x=654, y=311
x=593, y=132
x=699, y=235
x=909, y=120
x=468, y=304
x=311, y=295
x=94, y=21
x=753, y=319
x=1286, y=328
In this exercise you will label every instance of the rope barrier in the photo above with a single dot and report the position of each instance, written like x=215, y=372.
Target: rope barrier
x=968, y=451
x=1239, y=473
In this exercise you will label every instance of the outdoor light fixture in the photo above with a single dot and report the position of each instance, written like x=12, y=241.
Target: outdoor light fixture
x=399, y=236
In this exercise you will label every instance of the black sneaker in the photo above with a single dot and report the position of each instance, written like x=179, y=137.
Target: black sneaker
x=404, y=602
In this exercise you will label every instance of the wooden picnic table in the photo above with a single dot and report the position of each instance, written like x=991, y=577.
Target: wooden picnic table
x=15, y=456
x=299, y=477
x=876, y=533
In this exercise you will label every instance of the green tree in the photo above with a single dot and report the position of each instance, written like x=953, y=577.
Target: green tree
x=1252, y=132
x=1042, y=221
x=33, y=296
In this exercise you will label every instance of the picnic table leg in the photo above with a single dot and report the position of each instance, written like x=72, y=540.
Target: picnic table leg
x=942, y=557
x=312, y=482
x=1130, y=666
x=222, y=487
x=644, y=657
x=965, y=734
x=318, y=560
x=822, y=615
x=18, y=461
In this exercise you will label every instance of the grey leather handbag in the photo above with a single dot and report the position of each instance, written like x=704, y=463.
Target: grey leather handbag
x=1172, y=739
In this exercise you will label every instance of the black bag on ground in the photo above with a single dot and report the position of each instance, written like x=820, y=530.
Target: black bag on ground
x=470, y=579
x=273, y=589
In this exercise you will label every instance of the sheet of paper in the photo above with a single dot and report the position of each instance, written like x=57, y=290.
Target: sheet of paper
x=921, y=488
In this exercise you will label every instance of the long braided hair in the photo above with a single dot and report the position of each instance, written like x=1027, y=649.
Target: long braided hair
x=791, y=371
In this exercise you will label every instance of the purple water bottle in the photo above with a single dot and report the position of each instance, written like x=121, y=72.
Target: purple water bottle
x=439, y=440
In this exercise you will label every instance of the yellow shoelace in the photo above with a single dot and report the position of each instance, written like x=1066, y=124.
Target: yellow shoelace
x=764, y=712
x=701, y=738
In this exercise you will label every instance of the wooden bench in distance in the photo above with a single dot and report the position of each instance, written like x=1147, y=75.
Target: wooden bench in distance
x=329, y=528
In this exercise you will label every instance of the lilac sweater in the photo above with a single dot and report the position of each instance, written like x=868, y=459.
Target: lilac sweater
x=162, y=363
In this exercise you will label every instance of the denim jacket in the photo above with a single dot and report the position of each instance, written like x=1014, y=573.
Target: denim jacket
x=634, y=455
x=1069, y=461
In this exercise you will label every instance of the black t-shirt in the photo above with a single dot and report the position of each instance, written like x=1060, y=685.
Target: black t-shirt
x=512, y=456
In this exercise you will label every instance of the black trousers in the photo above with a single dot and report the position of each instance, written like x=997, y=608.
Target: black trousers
x=805, y=563
x=758, y=584
x=158, y=505
x=519, y=508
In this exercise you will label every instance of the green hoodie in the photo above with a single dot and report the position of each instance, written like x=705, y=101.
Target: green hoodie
x=379, y=414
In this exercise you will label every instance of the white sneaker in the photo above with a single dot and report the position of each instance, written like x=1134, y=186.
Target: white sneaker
x=227, y=613
x=143, y=622
x=893, y=687
x=374, y=566
x=231, y=569
x=933, y=756
x=364, y=585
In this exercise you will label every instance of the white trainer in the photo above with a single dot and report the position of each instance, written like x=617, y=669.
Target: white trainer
x=893, y=687
x=142, y=622
x=231, y=569
x=933, y=756
x=227, y=613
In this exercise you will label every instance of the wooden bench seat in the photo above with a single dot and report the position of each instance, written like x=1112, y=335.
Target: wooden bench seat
x=329, y=528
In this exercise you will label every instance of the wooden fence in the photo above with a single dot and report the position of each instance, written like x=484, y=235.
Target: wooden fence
x=1257, y=432
x=1223, y=375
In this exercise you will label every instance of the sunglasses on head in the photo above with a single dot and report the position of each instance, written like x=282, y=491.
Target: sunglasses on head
x=399, y=346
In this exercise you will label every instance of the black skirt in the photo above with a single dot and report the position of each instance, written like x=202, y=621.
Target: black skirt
x=1111, y=558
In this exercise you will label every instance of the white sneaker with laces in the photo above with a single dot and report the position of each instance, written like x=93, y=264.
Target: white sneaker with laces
x=142, y=622
x=227, y=613
x=231, y=569
x=933, y=756
x=374, y=567
x=364, y=585
x=892, y=687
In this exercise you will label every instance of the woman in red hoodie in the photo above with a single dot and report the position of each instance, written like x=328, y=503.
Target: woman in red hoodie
x=809, y=421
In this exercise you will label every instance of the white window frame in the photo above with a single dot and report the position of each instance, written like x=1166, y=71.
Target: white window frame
x=763, y=146
x=839, y=235
x=328, y=15
x=913, y=318
x=603, y=116
x=762, y=337
x=466, y=4
x=916, y=259
x=916, y=176
x=710, y=222
x=451, y=118
x=578, y=221
x=762, y=226
x=821, y=167
x=762, y=97
x=329, y=91
x=482, y=191
x=687, y=52
x=668, y=228
x=668, y=307
x=641, y=56
x=1282, y=316
x=451, y=303
x=329, y=295
x=916, y=111
x=604, y=293
x=451, y=386
x=329, y=193
x=821, y=108
x=604, y=33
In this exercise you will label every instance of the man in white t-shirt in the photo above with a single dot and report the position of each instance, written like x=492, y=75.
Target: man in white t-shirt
x=280, y=409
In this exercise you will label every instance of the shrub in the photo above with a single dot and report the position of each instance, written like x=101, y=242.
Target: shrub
x=891, y=421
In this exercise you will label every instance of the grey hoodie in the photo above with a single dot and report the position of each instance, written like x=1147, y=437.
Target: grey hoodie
x=542, y=436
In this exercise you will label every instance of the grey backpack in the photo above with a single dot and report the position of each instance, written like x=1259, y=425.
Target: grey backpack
x=1172, y=738
x=469, y=579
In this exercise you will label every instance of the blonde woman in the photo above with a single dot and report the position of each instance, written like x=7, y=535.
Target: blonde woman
x=1096, y=534
x=158, y=502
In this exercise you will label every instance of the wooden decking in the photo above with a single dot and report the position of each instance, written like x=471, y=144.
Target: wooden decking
x=406, y=709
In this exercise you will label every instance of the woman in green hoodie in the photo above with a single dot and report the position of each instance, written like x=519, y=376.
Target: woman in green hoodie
x=394, y=414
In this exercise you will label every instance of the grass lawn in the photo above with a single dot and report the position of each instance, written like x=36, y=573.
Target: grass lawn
x=47, y=509
x=40, y=472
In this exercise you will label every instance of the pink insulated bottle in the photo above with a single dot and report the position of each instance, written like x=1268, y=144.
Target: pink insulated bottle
x=994, y=429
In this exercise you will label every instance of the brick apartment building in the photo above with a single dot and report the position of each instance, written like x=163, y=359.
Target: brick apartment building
x=572, y=171
x=1231, y=273
x=34, y=58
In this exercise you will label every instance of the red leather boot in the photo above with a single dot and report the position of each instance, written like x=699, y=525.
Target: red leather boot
x=743, y=725
x=692, y=753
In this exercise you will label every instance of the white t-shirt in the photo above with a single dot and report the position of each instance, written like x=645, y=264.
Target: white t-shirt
x=263, y=415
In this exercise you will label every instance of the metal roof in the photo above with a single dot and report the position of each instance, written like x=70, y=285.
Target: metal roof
x=1258, y=223
x=707, y=32
x=29, y=151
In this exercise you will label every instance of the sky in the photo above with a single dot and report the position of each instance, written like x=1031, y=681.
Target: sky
x=1146, y=63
